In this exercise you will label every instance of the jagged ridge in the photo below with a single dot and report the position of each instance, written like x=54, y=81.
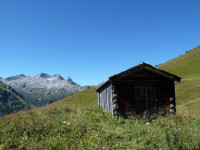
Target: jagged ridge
x=41, y=89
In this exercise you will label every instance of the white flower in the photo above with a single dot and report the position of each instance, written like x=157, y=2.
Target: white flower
x=147, y=123
x=65, y=122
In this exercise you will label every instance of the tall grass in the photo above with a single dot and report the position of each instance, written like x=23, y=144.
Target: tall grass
x=77, y=123
x=91, y=128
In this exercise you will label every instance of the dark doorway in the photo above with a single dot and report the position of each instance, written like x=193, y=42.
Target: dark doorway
x=138, y=98
x=144, y=101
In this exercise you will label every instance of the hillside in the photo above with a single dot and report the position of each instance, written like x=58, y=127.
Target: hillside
x=81, y=100
x=10, y=100
x=77, y=123
x=187, y=66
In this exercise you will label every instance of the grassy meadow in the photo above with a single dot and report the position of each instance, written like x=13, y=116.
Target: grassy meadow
x=77, y=123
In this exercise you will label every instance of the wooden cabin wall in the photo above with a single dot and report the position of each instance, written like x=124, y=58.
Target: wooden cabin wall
x=165, y=92
x=144, y=95
x=105, y=98
x=140, y=99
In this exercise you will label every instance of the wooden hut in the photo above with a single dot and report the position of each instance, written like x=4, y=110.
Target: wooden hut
x=142, y=91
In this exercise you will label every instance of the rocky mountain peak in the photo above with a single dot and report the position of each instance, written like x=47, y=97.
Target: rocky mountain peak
x=21, y=75
x=15, y=77
x=71, y=81
x=58, y=77
x=43, y=75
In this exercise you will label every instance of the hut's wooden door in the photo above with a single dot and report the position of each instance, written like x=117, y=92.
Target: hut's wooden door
x=145, y=100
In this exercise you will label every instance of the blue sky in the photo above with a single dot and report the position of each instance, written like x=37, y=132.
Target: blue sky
x=91, y=40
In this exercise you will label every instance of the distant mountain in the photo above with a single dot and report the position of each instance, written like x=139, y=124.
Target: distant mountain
x=15, y=77
x=43, y=88
x=10, y=100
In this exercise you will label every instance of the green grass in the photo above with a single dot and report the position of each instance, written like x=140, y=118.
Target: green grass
x=84, y=99
x=190, y=109
x=187, y=66
x=77, y=123
x=188, y=97
x=188, y=90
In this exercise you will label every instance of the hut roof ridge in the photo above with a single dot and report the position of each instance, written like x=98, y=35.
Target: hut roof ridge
x=142, y=65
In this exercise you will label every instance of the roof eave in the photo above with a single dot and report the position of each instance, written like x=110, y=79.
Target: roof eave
x=103, y=85
x=141, y=66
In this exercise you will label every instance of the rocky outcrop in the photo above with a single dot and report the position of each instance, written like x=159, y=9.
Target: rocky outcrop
x=71, y=81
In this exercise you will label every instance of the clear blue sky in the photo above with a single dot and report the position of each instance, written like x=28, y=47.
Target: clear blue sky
x=90, y=40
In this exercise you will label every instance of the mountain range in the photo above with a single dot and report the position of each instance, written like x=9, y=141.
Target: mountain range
x=43, y=88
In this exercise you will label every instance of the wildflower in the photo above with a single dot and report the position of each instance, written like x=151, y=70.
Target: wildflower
x=21, y=146
x=147, y=123
x=65, y=122
x=186, y=122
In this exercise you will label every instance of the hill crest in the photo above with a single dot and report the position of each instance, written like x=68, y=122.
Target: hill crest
x=186, y=65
